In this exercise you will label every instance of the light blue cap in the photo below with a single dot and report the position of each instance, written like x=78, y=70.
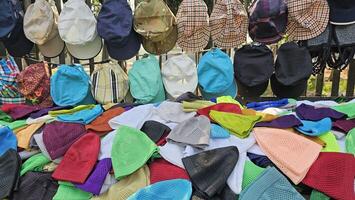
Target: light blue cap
x=175, y=189
x=7, y=140
x=315, y=128
x=145, y=81
x=216, y=75
x=83, y=117
x=218, y=132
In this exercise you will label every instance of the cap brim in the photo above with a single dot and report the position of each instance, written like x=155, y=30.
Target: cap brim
x=342, y=16
x=288, y=91
x=52, y=48
x=253, y=91
x=86, y=51
x=231, y=91
x=162, y=46
x=126, y=51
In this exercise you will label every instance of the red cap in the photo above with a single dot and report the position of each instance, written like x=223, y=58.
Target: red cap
x=223, y=107
x=79, y=160
x=333, y=174
x=161, y=170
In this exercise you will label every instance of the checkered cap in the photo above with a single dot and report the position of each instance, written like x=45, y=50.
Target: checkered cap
x=193, y=25
x=307, y=18
x=229, y=23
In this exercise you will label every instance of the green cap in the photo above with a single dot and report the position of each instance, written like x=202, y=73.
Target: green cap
x=316, y=195
x=131, y=149
x=5, y=117
x=331, y=144
x=67, y=191
x=34, y=163
x=350, y=141
x=14, y=125
x=251, y=172
x=346, y=108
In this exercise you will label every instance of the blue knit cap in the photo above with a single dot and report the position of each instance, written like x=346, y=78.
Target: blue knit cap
x=7, y=140
x=176, y=189
x=83, y=117
x=315, y=128
x=218, y=132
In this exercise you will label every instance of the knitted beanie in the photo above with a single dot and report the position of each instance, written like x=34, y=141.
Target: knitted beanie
x=308, y=112
x=333, y=174
x=251, y=172
x=223, y=107
x=59, y=136
x=39, y=141
x=19, y=111
x=270, y=184
x=315, y=128
x=7, y=140
x=131, y=149
x=79, y=160
x=100, y=124
x=286, y=121
x=344, y=125
x=67, y=191
x=291, y=153
x=350, y=142
x=155, y=130
x=162, y=170
x=9, y=172
x=34, y=163
x=176, y=189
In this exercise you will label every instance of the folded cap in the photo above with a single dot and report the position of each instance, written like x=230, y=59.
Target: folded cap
x=218, y=132
x=100, y=124
x=179, y=75
x=127, y=159
x=19, y=111
x=127, y=186
x=344, y=125
x=34, y=163
x=315, y=128
x=41, y=27
x=229, y=24
x=333, y=174
x=161, y=170
x=176, y=189
x=209, y=170
x=350, y=141
x=291, y=153
x=223, y=107
x=79, y=160
x=216, y=75
x=83, y=117
x=341, y=12
x=24, y=136
x=67, y=190
x=285, y=121
x=331, y=144
x=193, y=25
x=270, y=184
x=59, y=136
x=155, y=130
x=7, y=140
x=9, y=172
x=77, y=27
x=308, y=112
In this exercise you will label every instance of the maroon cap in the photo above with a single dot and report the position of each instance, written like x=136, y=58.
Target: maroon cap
x=59, y=136
x=344, y=125
x=18, y=111
x=161, y=170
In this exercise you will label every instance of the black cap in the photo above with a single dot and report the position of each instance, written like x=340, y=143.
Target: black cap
x=9, y=172
x=155, y=130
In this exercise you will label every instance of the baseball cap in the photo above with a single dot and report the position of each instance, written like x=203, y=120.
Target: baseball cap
x=77, y=27
x=41, y=27
x=342, y=12
x=216, y=75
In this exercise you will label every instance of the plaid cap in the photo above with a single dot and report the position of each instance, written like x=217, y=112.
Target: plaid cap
x=193, y=25
x=307, y=18
x=229, y=23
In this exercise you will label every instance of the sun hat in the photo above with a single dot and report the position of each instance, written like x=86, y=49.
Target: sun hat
x=162, y=170
x=223, y=107
x=122, y=41
x=179, y=75
x=176, y=189
x=229, y=24
x=79, y=160
x=145, y=81
x=193, y=25
x=344, y=125
x=290, y=80
x=307, y=18
x=155, y=130
x=66, y=190
x=342, y=12
x=308, y=112
x=30, y=187
x=7, y=140
x=125, y=158
x=350, y=142
x=77, y=27
x=253, y=67
x=127, y=186
x=218, y=132
x=34, y=163
x=41, y=27
x=97, y=177
x=194, y=132
x=267, y=20
x=209, y=170
x=285, y=121
x=337, y=184
x=70, y=86
x=216, y=75
x=291, y=153
x=59, y=136
x=268, y=185
x=83, y=117
x=315, y=128
x=100, y=124
x=9, y=172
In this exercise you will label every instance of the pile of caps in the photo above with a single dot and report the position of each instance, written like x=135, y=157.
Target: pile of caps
x=185, y=149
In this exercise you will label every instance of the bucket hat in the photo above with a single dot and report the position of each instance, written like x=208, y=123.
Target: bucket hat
x=307, y=18
x=9, y=172
x=342, y=12
x=162, y=170
x=179, y=75
x=77, y=27
x=7, y=140
x=267, y=20
x=209, y=170
x=229, y=24
x=216, y=75
x=41, y=27
x=291, y=153
x=79, y=160
x=293, y=67
x=193, y=25
x=253, y=67
x=122, y=41
x=145, y=81
x=176, y=189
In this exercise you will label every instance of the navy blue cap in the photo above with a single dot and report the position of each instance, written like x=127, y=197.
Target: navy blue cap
x=115, y=26
x=7, y=17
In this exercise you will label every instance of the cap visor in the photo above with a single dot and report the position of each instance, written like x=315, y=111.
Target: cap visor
x=162, y=46
x=288, y=91
x=251, y=91
x=126, y=51
x=231, y=91
x=52, y=48
x=86, y=51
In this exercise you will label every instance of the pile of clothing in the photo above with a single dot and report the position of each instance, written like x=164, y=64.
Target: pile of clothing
x=184, y=149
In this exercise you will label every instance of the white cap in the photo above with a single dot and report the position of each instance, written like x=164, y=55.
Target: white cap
x=77, y=27
x=179, y=75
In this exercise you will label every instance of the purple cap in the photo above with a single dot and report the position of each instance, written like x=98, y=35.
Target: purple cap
x=286, y=121
x=308, y=112
x=45, y=111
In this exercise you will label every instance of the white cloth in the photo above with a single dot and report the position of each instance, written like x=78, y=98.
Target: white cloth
x=109, y=181
x=338, y=134
x=134, y=117
x=274, y=111
x=42, y=147
x=106, y=145
x=42, y=119
x=172, y=153
x=341, y=143
x=255, y=149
